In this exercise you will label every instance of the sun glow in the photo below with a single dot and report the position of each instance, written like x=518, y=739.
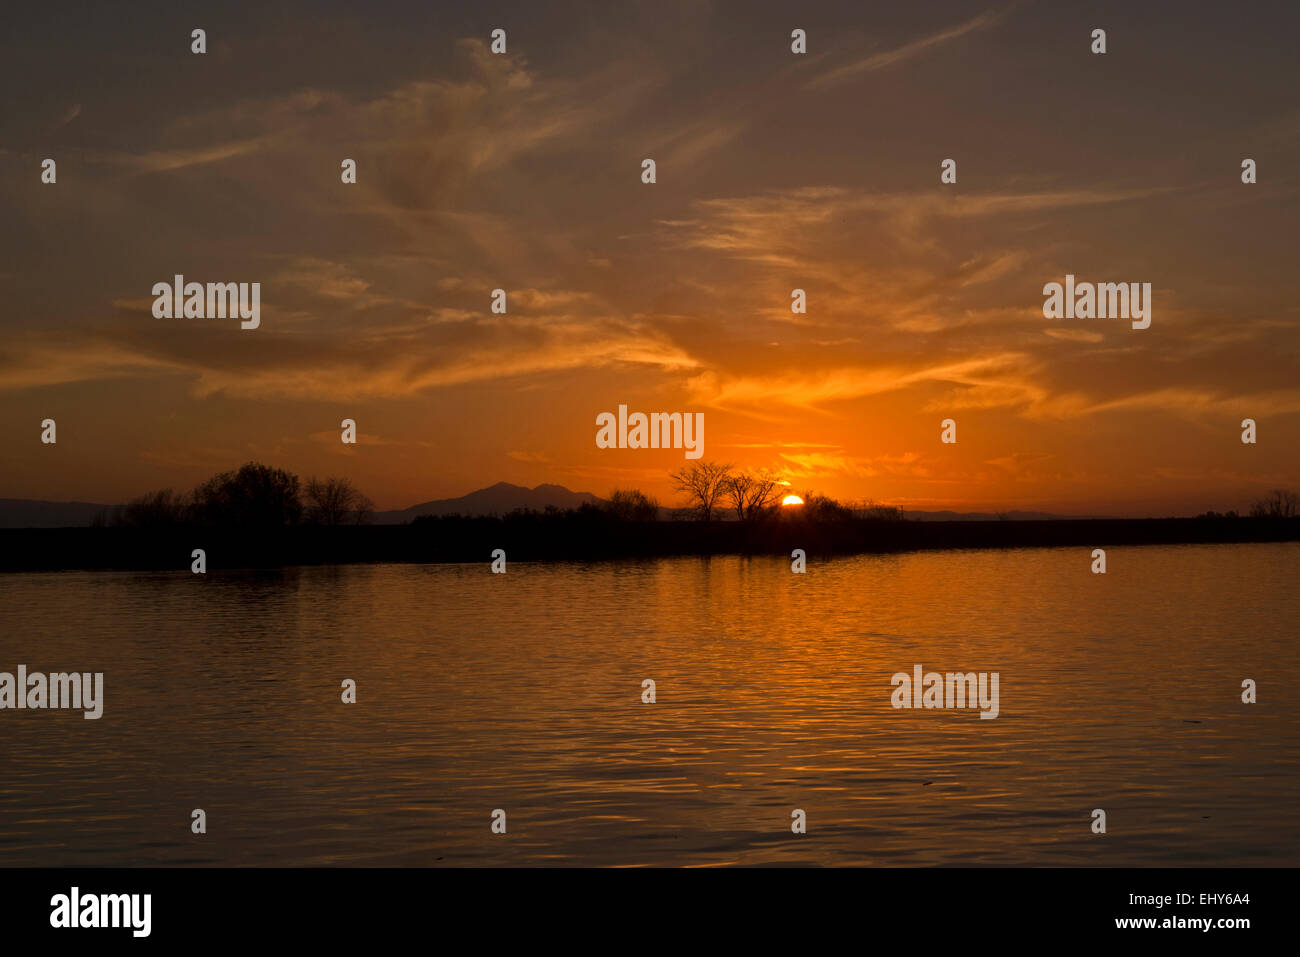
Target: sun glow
x=792, y=500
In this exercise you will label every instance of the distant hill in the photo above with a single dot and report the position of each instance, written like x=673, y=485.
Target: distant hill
x=25, y=513
x=499, y=499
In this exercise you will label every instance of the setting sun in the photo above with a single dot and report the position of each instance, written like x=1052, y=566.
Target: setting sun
x=792, y=500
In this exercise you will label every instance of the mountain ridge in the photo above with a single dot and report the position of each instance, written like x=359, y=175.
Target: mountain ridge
x=499, y=499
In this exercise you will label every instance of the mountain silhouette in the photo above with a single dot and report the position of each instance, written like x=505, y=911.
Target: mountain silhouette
x=30, y=513
x=499, y=499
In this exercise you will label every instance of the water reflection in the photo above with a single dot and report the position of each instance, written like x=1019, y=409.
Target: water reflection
x=523, y=692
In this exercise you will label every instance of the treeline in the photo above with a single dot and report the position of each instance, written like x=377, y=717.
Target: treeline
x=1279, y=503
x=589, y=533
x=716, y=490
x=252, y=497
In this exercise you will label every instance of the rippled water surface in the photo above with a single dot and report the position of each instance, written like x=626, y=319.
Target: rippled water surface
x=523, y=692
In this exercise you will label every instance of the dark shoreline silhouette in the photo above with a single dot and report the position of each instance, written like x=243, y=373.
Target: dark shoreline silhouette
x=579, y=536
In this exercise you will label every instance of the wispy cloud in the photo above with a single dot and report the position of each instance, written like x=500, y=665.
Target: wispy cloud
x=888, y=58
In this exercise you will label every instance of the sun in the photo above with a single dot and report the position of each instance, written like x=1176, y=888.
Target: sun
x=792, y=500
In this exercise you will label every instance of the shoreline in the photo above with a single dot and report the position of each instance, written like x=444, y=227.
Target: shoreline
x=536, y=537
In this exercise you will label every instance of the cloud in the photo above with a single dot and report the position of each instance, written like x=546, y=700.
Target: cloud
x=1075, y=335
x=769, y=227
x=419, y=145
x=781, y=445
x=549, y=298
x=888, y=58
x=822, y=464
x=163, y=161
x=1018, y=462
x=988, y=380
x=294, y=364
x=68, y=117
x=539, y=458
x=810, y=464
x=1202, y=403
x=334, y=281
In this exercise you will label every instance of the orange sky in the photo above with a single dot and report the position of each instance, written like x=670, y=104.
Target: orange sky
x=775, y=171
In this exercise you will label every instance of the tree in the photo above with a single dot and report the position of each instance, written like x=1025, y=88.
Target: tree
x=632, y=505
x=155, y=509
x=752, y=493
x=823, y=508
x=1278, y=503
x=875, y=512
x=256, y=496
x=336, y=501
x=704, y=484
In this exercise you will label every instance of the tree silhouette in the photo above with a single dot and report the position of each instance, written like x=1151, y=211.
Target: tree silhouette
x=256, y=496
x=336, y=501
x=704, y=483
x=1278, y=503
x=632, y=505
x=155, y=509
x=824, y=509
x=752, y=494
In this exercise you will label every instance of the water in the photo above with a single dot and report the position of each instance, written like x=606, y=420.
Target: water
x=523, y=692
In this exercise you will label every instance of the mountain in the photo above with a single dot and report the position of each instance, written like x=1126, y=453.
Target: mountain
x=496, y=499
x=25, y=513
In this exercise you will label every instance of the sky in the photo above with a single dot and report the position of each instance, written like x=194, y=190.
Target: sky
x=774, y=171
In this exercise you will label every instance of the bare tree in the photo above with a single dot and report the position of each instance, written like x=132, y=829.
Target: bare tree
x=751, y=493
x=704, y=483
x=736, y=488
x=1278, y=503
x=632, y=505
x=336, y=501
